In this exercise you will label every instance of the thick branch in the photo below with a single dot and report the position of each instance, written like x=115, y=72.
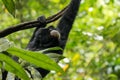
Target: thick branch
x=30, y=24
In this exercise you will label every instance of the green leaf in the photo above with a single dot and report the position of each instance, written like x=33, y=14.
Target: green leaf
x=36, y=58
x=56, y=1
x=9, y=4
x=56, y=57
x=12, y=66
x=4, y=44
x=117, y=61
x=0, y=64
x=53, y=48
x=112, y=77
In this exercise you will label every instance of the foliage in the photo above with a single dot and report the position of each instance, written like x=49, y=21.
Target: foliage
x=10, y=65
x=9, y=4
x=29, y=59
x=93, y=46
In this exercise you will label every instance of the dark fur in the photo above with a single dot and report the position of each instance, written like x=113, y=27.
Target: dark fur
x=42, y=39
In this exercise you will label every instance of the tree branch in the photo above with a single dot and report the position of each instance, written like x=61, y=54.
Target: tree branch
x=31, y=24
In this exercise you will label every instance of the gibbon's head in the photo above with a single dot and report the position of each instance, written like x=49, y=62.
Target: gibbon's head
x=55, y=33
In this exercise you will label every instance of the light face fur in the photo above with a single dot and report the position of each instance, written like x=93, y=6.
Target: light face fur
x=55, y=33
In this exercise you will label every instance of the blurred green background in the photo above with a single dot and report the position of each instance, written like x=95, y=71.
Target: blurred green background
x=93, y=48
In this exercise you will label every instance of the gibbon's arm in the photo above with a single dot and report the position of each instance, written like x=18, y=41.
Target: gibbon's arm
x=67, y=20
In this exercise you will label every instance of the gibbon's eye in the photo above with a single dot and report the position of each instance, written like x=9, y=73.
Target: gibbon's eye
x=55, y=33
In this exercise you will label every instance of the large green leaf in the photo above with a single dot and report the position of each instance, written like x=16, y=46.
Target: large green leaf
x=36, y=58
x=12, y=66
x=9, y=4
